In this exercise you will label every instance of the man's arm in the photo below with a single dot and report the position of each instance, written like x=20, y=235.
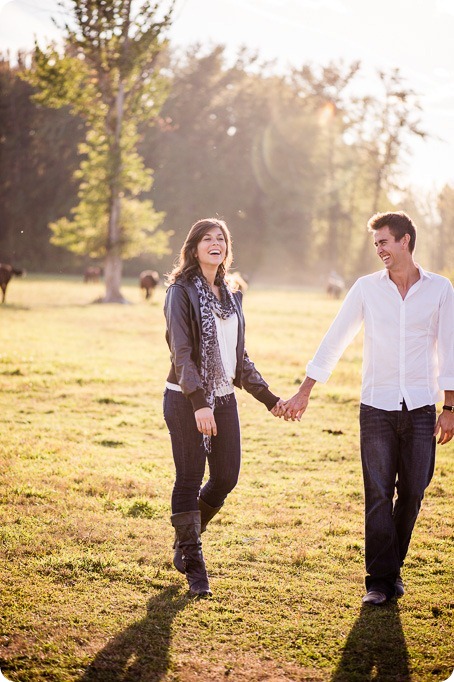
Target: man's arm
x=445, y=422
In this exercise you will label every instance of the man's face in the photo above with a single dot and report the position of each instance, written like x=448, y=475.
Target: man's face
x=391, y=252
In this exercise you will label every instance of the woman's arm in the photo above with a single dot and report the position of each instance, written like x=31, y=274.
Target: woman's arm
x=177, y=310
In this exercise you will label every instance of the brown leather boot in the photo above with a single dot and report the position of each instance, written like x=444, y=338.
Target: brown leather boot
x=206, y=514
x=187, y=528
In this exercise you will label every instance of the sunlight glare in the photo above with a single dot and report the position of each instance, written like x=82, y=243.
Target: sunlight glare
x=326, y=113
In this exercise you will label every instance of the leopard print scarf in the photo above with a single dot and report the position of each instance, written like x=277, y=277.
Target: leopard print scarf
x=212, y=370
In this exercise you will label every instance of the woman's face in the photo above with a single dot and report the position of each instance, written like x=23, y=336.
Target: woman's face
x=211, y=249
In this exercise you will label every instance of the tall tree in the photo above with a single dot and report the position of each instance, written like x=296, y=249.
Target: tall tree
x=382, y=130
x=444, y=259
x=325, y=94
x=110, y=75
x=38, y=156
x=422, y=206
x=205, y=145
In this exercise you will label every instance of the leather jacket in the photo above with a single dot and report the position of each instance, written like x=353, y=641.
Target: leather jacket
x=183, y=331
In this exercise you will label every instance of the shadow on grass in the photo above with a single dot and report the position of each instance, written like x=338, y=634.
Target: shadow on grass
x=14, y=306
x=375, y=648
x=141, y=652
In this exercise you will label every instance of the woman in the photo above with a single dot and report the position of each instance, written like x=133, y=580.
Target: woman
x=205, y=334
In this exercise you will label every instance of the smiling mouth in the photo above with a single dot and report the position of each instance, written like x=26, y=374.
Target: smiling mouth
x=215, y=253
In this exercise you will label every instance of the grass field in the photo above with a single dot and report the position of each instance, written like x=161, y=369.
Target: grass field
x=88, y=591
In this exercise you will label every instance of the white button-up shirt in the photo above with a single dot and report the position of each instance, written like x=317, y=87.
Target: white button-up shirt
x=408, y=343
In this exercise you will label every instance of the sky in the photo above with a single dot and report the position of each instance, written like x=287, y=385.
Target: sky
x=415, y=36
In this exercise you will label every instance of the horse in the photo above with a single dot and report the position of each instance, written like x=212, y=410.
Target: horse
x=148, y=280
x=6, y=272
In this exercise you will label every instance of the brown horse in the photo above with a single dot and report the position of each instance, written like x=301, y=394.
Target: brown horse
x=6, y=272
x=148, y=280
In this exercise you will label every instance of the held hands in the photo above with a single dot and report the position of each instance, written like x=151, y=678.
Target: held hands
x=205, y=421
x=296, y=406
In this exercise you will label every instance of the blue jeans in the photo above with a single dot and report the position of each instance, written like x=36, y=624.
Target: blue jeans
x=398, y=456
x=190, y=456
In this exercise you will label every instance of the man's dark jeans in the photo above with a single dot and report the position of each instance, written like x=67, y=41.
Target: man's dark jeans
x=190, y=457
x=398, y=455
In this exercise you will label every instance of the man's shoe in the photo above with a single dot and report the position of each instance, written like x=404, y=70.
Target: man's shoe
x=399, y=585
x=375, y=597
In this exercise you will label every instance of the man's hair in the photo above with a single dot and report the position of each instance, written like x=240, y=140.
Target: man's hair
x=399, y=224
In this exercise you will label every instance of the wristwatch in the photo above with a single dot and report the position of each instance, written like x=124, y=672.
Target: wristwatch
x=450, y=408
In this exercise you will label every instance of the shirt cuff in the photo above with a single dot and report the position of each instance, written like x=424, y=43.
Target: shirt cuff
x=317, y=373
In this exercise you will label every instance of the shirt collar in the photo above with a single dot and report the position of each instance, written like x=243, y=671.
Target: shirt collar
x=422, y=273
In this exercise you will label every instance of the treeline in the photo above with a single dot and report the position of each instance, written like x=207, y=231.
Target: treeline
x=295, y=162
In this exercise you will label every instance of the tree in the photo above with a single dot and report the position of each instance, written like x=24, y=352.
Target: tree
x=38, y=156
x=325, y=95
x=382, y=129
x=422, y=206
x=445, y=251
x=110, y=75
x=205, y=147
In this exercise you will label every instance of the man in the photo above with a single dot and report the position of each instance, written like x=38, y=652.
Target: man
x=408, y=360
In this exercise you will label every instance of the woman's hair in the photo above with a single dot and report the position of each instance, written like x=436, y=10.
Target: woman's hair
x=187, y=265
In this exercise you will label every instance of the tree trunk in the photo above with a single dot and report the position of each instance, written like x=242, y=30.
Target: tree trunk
x=112, y=271
x=113, y=261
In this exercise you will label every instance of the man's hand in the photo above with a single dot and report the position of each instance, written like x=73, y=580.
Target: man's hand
x=296, y=406
x=205, y=421
x=445, y=426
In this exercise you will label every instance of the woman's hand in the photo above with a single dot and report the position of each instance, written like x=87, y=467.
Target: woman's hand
x=205, y=421
x=279, y=409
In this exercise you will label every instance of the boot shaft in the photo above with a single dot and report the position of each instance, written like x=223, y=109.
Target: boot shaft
x=206, y=513
x=187, y=529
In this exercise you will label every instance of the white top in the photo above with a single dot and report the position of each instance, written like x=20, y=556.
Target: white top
x=408, y=343
x=227, y=333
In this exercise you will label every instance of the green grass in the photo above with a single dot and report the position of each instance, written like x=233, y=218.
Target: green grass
x=88, y=591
